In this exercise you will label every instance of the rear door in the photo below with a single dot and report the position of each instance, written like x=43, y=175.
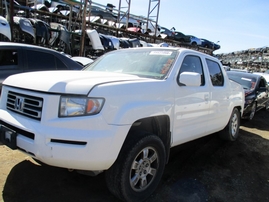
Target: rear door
x=219, y=109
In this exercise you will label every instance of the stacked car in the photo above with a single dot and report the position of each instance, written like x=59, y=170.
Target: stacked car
x=51, y=31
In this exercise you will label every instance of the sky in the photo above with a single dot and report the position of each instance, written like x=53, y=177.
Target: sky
x=236, y=24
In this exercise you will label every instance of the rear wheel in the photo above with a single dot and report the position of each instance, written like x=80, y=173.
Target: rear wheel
x=138, y=170
x=194, y=43
x=231, y=131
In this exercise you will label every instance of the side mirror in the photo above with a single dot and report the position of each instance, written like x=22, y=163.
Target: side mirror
x=190, y=79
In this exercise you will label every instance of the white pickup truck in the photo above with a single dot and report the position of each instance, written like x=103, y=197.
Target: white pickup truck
x=122, y=114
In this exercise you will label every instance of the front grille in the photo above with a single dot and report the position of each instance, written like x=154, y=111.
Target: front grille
x=26, y=105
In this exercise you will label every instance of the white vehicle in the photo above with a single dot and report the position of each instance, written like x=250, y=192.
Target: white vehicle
x=195, y=41
x=82, y=60
x=121, y=114
x=5, y=28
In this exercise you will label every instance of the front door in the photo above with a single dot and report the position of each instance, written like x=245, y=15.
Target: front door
x=191, y=104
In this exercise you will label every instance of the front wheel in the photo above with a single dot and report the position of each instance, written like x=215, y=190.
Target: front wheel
x=253, y=111
x=266, y=105
x=139, y=168
x=231, y=131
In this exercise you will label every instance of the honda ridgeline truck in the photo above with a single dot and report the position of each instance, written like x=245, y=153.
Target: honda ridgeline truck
x=122, y=114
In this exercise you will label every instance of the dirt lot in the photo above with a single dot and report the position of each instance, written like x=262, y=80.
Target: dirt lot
x=204, y=170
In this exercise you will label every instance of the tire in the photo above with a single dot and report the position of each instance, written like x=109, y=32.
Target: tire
x=266, y=105
x=231, y=131
x=138, y=170
x=253, y=111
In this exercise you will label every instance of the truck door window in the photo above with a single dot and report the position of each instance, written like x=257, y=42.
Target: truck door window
x=192, y=63
x=215, y=73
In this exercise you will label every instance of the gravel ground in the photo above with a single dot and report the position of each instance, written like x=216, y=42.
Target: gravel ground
x=207, y=169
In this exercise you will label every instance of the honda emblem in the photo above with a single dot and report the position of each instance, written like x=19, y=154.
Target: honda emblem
x=19, y=103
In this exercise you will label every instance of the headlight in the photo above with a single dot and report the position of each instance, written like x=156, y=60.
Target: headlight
x=79, y=106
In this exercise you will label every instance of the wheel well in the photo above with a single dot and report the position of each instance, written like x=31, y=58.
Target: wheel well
x=240, y=111
x=157, y=125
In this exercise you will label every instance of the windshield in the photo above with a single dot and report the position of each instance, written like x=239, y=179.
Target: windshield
x=246, y=82
x=144, y=62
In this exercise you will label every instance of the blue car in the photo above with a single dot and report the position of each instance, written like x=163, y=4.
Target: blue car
x=209, y=44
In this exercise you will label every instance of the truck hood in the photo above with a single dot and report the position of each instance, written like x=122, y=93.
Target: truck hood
x=71, y=82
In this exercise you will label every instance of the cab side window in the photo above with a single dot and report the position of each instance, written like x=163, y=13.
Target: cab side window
x=60, y=65
x=193, y=63
x=8, y=59
x=262, y=83
x=215, y=72
x=38, y=60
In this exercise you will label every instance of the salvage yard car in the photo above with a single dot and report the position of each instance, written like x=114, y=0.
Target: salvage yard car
x=179, y=36
x=256, y=92
x=17, y=58
x=122, y=114
x=264, y=74
x=209, y=44
x=195, y=41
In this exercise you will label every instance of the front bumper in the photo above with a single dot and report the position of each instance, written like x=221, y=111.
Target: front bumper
x=83, y=143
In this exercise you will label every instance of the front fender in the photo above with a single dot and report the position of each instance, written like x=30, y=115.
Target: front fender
x=129, y=101
x=132, y=111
